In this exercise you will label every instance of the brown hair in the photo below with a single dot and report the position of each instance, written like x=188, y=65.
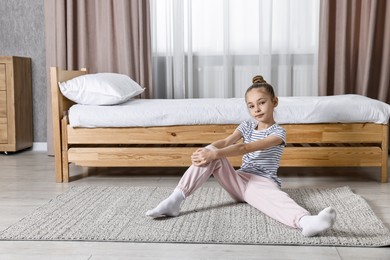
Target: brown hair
x=259, y=82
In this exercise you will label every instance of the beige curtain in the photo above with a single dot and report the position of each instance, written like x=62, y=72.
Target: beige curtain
x=102, y=36
x=354, y=48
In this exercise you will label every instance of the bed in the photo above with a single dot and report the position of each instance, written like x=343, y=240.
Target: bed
x=353, y=141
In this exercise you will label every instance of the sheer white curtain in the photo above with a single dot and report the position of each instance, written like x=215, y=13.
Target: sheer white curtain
x=213, y=48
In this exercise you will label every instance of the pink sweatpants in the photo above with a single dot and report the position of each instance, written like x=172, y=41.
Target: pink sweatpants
x=260, y=192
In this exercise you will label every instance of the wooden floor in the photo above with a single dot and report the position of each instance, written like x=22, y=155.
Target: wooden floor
x=27, y=181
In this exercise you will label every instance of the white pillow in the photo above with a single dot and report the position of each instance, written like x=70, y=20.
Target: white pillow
x=100, y=89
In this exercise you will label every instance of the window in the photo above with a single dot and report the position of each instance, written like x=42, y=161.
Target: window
x=213, y=48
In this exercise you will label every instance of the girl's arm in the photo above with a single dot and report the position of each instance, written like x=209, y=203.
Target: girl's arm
x=204, y=156
x=219, y=144
x=231, y=139
x=241, y=149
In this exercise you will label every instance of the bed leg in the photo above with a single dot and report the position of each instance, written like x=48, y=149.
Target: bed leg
x=58, y=160
x=65, y=166
x=64, y=145
x=59, y=164
x=384, y=174
x=385, y=153
x=58, y=167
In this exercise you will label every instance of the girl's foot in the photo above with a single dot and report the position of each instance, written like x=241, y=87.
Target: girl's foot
x=170, y=207
x=313, y=225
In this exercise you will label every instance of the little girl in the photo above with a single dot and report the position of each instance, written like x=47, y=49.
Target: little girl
x=256, y=182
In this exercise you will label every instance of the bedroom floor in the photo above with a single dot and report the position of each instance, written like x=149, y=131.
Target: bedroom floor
x=27, y=181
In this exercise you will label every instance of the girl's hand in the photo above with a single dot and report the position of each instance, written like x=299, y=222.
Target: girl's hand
x=202, y=157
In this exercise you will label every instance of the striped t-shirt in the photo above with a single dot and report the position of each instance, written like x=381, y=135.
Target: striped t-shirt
x=264, y=163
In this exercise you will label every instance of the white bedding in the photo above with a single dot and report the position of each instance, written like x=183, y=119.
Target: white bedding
x=291, y=110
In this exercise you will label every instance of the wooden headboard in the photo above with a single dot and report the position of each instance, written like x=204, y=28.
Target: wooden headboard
x=58, y=100
x=60, y=104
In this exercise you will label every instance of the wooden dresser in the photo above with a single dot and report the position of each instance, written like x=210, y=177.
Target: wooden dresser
x=16, y=130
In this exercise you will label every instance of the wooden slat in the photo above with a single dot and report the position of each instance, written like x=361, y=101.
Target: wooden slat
x=163, y=156
x=331, y=156
x=194, y=134
x=135, y=157
x=334, y=133
x=312, y=133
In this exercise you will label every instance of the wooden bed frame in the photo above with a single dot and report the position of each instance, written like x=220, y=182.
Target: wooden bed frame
x=308, y=145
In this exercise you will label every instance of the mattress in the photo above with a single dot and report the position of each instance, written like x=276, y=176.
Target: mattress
x=291, y=110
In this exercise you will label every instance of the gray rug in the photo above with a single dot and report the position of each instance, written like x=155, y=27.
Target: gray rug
x=95, y=213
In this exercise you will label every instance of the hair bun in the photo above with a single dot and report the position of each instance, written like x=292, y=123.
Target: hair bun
x=258, y=79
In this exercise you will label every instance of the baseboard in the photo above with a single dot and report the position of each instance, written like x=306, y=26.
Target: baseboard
x=39, y=146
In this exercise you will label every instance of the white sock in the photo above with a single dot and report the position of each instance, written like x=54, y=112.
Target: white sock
x=313, y=225
x=169, y=207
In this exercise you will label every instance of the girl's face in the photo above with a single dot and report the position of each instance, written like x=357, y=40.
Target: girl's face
x=261, y=105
